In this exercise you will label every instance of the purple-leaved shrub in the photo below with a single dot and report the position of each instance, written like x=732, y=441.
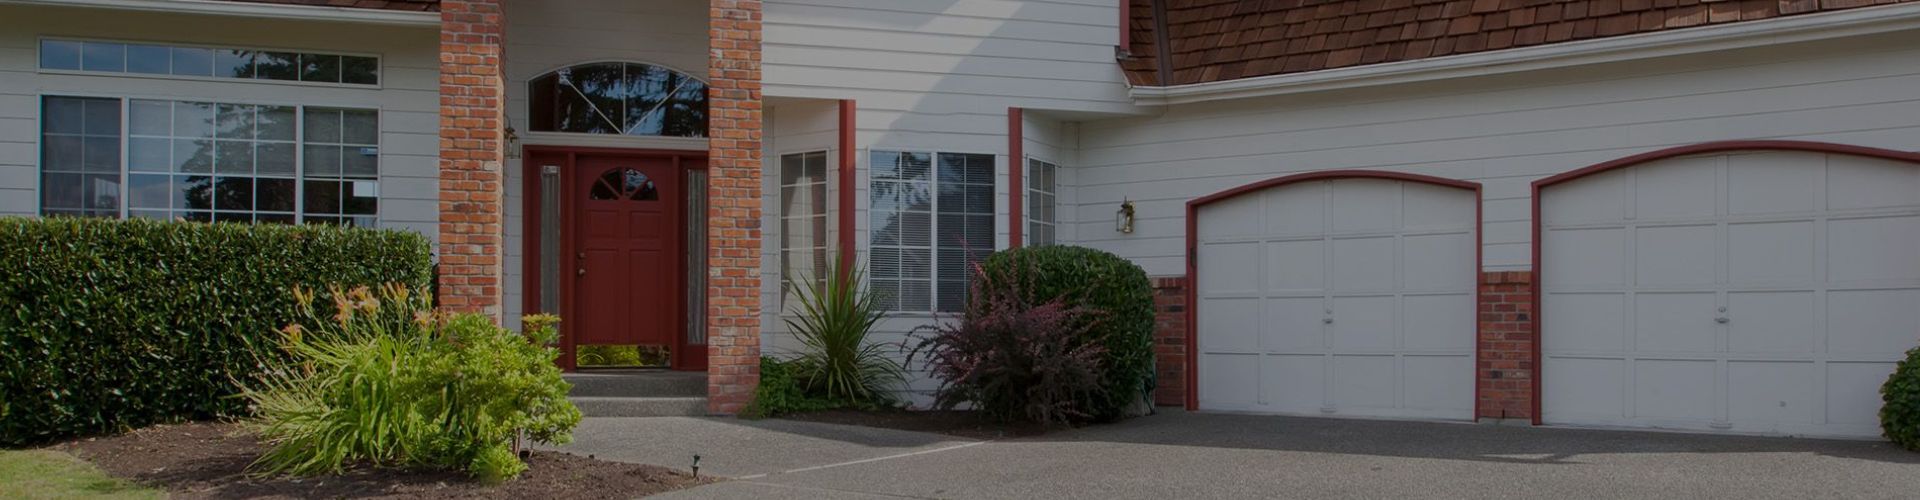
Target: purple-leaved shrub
x=1014, y=359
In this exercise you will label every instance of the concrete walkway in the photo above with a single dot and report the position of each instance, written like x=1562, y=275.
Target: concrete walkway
x=1237, y=456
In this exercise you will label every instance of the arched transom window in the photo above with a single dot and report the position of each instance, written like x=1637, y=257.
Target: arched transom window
x=618, y=98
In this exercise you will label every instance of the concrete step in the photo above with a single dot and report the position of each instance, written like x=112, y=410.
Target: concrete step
x=640, y=407
x=637, y=384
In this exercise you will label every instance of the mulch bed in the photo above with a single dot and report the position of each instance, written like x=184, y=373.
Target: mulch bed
x=209, y=460
x=965, y=424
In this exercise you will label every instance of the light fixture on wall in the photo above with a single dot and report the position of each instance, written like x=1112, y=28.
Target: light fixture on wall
x=1123, y=219
x=513, y=143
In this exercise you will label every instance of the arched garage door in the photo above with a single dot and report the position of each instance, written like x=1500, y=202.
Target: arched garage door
x=1335, y=295
x=1752, y=291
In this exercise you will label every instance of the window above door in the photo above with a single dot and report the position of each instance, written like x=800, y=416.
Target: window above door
x=618, y=98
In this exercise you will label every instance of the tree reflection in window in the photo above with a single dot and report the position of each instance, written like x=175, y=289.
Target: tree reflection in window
x=624, y=184
x=619, y=98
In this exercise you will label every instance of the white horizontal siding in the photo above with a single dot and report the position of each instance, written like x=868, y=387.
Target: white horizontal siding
x=408, y=97
x=1504, y=132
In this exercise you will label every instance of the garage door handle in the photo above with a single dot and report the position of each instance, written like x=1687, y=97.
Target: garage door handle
x=1722, y=319
x=1327, y=321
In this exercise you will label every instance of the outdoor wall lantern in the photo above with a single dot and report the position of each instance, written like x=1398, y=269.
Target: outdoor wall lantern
x=1123, y=219
x=513, y=142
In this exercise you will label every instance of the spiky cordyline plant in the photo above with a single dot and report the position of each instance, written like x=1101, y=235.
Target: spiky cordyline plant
x=838, y=361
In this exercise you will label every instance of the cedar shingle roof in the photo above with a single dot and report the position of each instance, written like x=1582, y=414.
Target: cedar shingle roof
x=1215, y=40
x=412, y=5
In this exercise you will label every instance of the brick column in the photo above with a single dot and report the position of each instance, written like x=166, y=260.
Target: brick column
x=733, y=216
x=1170, y=341
x=472, y=188
x=1505, y=374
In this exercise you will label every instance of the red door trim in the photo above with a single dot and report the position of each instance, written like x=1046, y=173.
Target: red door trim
x=1193, y=246
x=1016, y=183
x=1651, y=156
x=530, y=241
x=849, y=171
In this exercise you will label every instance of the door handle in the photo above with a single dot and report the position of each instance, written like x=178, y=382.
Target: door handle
x=580, y=272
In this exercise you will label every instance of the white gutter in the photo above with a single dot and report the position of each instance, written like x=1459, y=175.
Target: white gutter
x=256, y=10
x=1810, y=27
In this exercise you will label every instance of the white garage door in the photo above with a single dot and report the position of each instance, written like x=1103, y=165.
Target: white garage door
x=1763, y=292
x=1349, y=297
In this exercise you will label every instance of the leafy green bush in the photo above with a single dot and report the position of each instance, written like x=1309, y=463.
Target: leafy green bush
x=107, y=325
x=385, y=381
x=780, y=393
x=1900, y=413
x=837, y=361
x=1012, y=359
x=1082, y=277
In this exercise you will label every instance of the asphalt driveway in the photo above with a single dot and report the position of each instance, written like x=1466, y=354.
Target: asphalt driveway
x=1238, y=456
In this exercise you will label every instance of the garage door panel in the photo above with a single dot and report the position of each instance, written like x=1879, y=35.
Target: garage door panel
x=1429, y=261
x=1862, y=183
x=1853, y=392
x=1675, y=255
x=1233, y=217
x=1294, y=324
x=1861, y=250
x=1673, y=389
x=1295, y=209
x=1679, y=189
x=1296, y=266
x=1771, y=252
x=1232, y=325
x=1233, y=268
x=1597, y=199
x=1766, y=391
x=1429, y=208
x=1363, y=264
x=1775, y=182
x=1438, y=322
x=1437, y=382
x=1584, y=388
x=1772, y=322
x=1585, y=322
x=1364, y=323
x=1575, y=258
x=1295, y=383
x=1674, y=322
x=1873, y=322
x=1365, y=205
x=1363, y=381
x=1229, y=380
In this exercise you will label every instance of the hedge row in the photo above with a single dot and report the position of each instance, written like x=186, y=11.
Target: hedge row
x=107, y=325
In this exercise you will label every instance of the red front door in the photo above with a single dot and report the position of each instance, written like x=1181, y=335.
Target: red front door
x=627, y=259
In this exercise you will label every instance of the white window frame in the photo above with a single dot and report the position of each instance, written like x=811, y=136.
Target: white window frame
x=934, y=244
x=125, y=104
x=825, y=246
x=1052, y=192
x=379, y=63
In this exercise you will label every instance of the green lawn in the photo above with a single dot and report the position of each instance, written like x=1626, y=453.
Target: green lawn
x=52, y=474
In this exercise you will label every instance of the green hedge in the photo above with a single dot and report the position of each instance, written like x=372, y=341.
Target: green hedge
x=1084, y=277
x=107, y=325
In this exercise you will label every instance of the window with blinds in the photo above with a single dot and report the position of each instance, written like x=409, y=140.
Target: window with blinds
x=933, y=216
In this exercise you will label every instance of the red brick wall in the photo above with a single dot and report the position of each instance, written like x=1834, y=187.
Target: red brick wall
x=472, y=189
x=733, y=216
x=1170, y=340
x=1506, y=371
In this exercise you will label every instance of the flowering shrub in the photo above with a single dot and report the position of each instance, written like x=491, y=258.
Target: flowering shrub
x=384, y=380
x=1015, y=360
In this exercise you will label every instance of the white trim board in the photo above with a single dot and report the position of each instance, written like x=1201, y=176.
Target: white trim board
x=1791, y=29
x=260, y=10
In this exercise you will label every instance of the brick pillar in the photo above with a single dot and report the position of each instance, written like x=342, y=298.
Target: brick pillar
x=1170, y=340
x=472, y=189
x=1506, y=372
x=733, y=216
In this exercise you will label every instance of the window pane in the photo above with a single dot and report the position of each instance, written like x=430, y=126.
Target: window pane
x=321, y=197
x=59, y=54
x=319, y=68
x=190, y=61
x=273, y=158
x=153, y=118
x=103, y=56
x=277, y=66
x=103, y=117
x=360, y=126
x=145, y=154
x=235, y=121
x=196, y=191
x=274, y=195
x=101, y=154
x=363, y=161
x=233, y=63
x=193, y=119
x=273, y=219
x=275, y=123
x=321, y=125
x=63, y=115
x=191, y=156
x=233, y=193
x=364, y=70
x=233, y=157
x=323, y=160
x=102, y=191
x=150, y=59
x=360, y=198
x=60, y=190
x=149, y=191
x=61, y=153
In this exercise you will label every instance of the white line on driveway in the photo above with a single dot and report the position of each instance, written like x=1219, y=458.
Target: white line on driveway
x=868, y=460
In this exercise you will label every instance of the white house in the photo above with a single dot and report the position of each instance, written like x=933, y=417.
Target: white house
x=1624, y=213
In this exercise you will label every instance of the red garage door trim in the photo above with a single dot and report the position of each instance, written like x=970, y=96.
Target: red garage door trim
x=1193, y=245
x=1694, y=149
